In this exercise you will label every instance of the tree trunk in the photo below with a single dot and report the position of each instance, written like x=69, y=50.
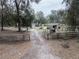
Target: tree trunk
x=19, y=22
x=2, y=24
x=27, y=29
x=2, y=20
x=18, y=19
x=19, y=25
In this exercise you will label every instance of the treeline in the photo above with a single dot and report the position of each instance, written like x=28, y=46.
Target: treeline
x=16, y=13
x=72, y=18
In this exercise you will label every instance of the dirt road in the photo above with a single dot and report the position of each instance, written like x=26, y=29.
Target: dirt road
x=37, y=48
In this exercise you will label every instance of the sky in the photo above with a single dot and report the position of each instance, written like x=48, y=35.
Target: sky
x=47, y=5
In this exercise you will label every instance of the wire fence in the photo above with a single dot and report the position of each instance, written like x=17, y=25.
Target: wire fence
x=65, y=32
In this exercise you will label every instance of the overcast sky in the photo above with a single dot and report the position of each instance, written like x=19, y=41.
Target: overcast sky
x=47, y=5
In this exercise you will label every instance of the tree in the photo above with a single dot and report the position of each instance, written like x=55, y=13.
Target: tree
x=2, y=5
x=73, y=13
x=27, y=17
x=40, y=18
x=56, y=16
x=50, y=18
x=61, y=15
x=6, y=11
x=18, y=4
x=12, y=11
